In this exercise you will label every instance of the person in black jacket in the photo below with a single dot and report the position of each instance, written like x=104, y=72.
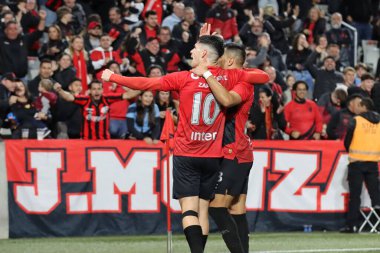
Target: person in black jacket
x=55, y=45
x=46, y=72
x=376, y=96
x=65, y=73
x=7, y=88
x=326, y=78
x=14, y=47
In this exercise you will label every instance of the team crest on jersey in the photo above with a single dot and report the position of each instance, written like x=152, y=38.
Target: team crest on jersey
x=104, y=110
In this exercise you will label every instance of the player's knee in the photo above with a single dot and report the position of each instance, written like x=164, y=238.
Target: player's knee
x=189, y=213
x=221, y=200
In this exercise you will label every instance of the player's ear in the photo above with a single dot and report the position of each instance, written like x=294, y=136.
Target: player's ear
x=230, y=61
x=204, y=53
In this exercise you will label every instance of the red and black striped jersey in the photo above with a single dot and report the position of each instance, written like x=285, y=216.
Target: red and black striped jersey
x=96, y=115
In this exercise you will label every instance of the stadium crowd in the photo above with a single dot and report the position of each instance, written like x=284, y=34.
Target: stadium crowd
x=52, y=54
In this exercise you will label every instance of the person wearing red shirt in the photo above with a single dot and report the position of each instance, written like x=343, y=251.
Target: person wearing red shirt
x=237, y=161
x=199, y=134
x=304, y=121
x=95, y=109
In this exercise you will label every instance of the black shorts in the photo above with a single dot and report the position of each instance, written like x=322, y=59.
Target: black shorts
x=233, y=178
x=195, y=176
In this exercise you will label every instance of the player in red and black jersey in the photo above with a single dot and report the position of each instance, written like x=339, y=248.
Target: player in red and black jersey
x=199, y=136
x=231, y=192
x=95, y=109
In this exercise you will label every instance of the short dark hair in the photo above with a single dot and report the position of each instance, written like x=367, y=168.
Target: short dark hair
x=237, y=50
x=328, y=57
x=352, y=97
x=213, y=41
x=295, y=85
x=150, y=13
x=155, y=66
x=367, y=76
x=45, y=60
x=267, y=90
x=94, y=82
x=367, y=103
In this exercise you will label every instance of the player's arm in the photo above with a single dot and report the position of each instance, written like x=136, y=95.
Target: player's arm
x=135, y=83
x=254, y=76
x=129, y=94
x=224, y=97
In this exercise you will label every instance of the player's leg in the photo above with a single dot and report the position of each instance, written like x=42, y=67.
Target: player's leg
x=209, y=176
x=230, y=184
x=203, y=219
x=238, y=212
x=186, y=181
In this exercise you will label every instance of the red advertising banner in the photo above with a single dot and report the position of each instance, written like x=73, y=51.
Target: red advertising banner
x=119, y=187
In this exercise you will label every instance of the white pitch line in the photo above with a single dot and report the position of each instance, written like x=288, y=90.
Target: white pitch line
x=319, y=250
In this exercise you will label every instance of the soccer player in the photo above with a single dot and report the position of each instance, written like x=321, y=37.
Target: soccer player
x=228, y=207
x=199, y=134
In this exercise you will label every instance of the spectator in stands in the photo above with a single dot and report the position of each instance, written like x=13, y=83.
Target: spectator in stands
x=172, y=50
x=143, y=119
x=326, y=78
x=28, y=18
x=176, y=17
x=266, y=116
x=45, y=72
x=272, y=3
x=14, y=47
x=68, y=116
x=92, y=37
x=149, y=55
x=365, y=88
x=95, y=109
x=329, y=104
x=337, y=126
x=257, y=58
x=251, y=31
x=314, y=26
x=363, y=156
x=6, y=16
x=376, y=96
x=288, y=94
x=65, y=73
x=340, y=36
x=81, y=60
x=118, y=110
x=188, y=25
x=165, y=102
x=46, y=100
x=100, y=56
x=348, y=78
x=149, y=28
x=117, y=29
x=25, y=113
x=361, y=68
x=223, y=21
x=7, y=88
x=273, y=85
x=64, y=21
x=79, y=16
x=304, y=122
x=360, y=13
x=334, y=51
x=54, y=46
x=274, y=55
x=278, y=36
x=296, y=60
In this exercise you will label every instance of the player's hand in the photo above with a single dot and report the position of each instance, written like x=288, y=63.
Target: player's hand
x=106, y=75
x=199, y=70
x=295, y=134
x=148, y=140
x=205, y=29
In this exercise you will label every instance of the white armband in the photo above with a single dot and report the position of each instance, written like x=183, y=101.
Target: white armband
x=207, y=74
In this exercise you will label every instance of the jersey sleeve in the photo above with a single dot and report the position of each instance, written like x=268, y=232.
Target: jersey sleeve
x=113, y=97
x=244, y=90
x=81, y=100
x=174, y=81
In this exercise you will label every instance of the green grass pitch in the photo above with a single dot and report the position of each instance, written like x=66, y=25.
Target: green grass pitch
x=259, y=242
